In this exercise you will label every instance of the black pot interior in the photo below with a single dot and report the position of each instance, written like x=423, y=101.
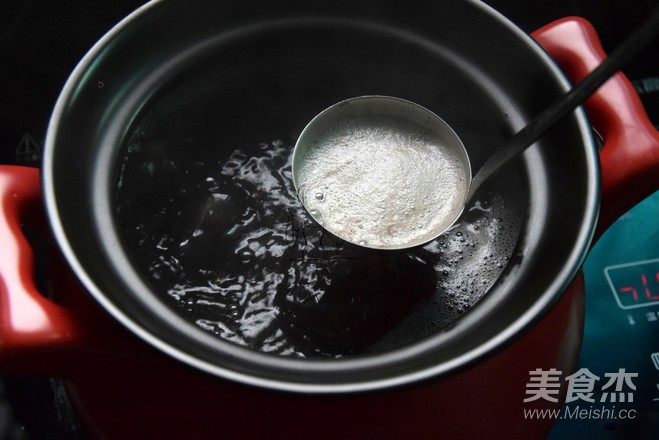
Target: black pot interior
x=189, y=230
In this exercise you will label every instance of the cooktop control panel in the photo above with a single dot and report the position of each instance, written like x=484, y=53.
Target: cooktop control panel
x=621, y=347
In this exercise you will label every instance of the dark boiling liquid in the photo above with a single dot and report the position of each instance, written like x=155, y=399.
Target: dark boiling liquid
x=228, y=244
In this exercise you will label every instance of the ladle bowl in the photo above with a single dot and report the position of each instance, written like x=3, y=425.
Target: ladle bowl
x=381, y=172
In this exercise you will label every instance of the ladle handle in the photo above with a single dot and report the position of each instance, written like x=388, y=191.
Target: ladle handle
x=629, y=158
x=588, y=84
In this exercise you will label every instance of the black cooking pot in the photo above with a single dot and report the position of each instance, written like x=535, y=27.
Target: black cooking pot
x=181, y=224
x=219, y=79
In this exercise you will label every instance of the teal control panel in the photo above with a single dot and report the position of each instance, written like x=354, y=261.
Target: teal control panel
x=616, y=393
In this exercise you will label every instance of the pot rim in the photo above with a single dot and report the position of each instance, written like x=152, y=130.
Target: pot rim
x=287, y=367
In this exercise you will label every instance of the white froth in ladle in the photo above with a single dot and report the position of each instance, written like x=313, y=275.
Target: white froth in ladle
x=382, y=182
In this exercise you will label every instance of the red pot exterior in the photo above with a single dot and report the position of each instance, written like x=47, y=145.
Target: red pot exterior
x=121, y=388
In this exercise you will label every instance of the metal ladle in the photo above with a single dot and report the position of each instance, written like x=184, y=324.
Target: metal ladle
x=385, y=173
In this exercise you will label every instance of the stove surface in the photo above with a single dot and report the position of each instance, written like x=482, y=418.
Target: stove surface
x=40, y=43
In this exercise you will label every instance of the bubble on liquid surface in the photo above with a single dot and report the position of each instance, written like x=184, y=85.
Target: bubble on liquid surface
x=401, y=183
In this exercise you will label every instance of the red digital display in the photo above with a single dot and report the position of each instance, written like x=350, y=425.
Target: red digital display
x=634, y=284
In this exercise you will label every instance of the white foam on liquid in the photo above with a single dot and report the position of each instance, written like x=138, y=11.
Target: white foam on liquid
x=382, y=182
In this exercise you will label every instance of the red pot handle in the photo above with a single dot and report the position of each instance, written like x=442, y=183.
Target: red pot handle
x=38, y=336
x=630, y=155
x=33, y=329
